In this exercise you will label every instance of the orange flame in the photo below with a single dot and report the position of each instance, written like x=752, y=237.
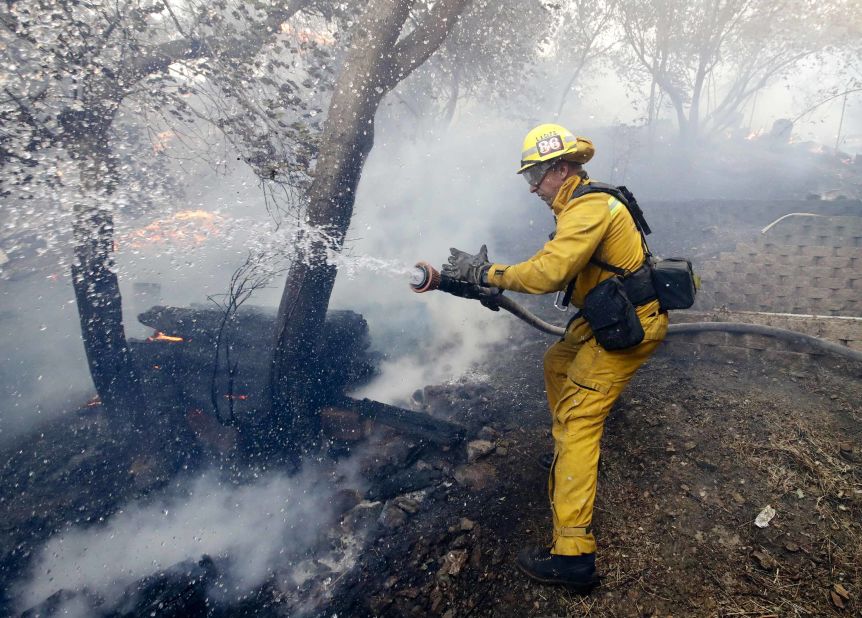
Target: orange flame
x=755, y=134
x=160, y=336
x=307, y=35
x=186, y=227
x=161, y=140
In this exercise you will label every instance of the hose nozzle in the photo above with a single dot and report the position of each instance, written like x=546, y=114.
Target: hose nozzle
x=424, y=278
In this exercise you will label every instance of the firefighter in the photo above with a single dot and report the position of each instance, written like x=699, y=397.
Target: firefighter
x=594, y=232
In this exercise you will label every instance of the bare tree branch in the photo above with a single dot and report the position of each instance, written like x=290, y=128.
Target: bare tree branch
x=419, y=45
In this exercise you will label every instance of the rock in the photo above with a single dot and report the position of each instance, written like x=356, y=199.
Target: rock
x=453, y=562
x=407, y=505
x=476, y=556
x=764, y=560
x=478, y=449
x=487, y=433
x=391, y=451
x=361, y=517
x=764, y=517
x=690, y=446
x=791, y=546
x=476, y=476
x=436, y=598
x=392, y=516
x=460, y=542
x=466, y=524
x=344, y=500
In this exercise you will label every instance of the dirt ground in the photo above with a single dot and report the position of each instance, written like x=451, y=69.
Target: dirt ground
x=691, y=454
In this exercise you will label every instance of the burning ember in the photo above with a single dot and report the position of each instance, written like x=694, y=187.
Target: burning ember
x=755, y=134
x=160, y=141
x=187, y=227
x=95, y=402
x=306, y=35
x=236, y=397
x=160, y=336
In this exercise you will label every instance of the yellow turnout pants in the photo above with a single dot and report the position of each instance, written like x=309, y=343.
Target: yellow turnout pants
x=583, y=380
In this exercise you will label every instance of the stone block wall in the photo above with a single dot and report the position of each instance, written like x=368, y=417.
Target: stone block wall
x=802, y=265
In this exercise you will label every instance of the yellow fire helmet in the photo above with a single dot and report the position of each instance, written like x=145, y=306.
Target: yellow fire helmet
x=549, y=141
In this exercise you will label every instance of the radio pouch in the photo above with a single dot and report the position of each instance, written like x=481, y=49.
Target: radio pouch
x=612, y=316
x=675, y=283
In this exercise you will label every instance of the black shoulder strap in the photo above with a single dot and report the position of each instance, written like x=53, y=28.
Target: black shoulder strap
x=628, y=200
x=623, y=195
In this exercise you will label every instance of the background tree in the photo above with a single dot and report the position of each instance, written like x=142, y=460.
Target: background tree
x=487, y=57
x=710, y=58
x=583, y=34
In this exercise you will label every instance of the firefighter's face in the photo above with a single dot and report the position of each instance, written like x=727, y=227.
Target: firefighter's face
x=550, y=183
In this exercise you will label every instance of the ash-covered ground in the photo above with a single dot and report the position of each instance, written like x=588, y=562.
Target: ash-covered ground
x=691, y=454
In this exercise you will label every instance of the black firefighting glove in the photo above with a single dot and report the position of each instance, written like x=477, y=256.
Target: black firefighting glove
x=471, y=269
x=467, y=267
x=489, y=297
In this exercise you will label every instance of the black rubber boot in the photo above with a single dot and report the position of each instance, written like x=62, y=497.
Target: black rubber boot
x=575, y=572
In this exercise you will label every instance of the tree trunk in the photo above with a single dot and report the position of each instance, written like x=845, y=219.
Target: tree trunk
x=97, y=289
x=376, y=62
x=97, y=292
x=347, y=140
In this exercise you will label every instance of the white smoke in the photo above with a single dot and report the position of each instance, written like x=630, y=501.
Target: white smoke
x=417, y=199
x=251, y=531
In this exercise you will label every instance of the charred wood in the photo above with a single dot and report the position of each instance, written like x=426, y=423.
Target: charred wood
x=177, y=365
x=418, y=424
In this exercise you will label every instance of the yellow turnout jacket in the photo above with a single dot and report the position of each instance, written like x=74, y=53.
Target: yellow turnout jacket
x=596, y=224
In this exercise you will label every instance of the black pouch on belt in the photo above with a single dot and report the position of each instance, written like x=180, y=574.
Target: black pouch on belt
x=675, y=283
x=612, y=316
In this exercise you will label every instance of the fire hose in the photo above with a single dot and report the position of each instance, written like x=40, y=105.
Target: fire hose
x=425, y=278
